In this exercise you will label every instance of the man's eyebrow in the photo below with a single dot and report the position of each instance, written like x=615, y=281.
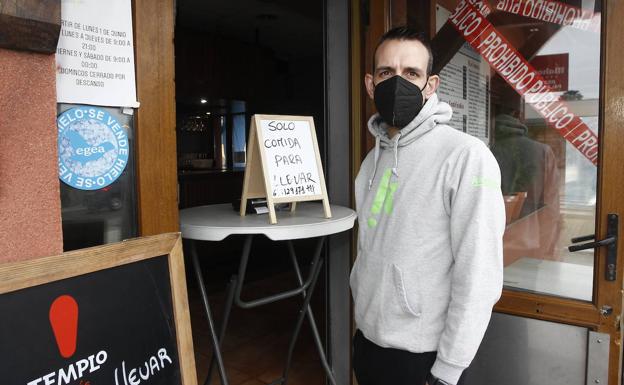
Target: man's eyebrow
x=414, y=69
x=384, y=68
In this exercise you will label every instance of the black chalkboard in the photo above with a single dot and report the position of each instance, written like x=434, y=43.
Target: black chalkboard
x=125, y=332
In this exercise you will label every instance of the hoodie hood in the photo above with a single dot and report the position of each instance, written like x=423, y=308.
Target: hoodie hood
x=507, y=125
x=434, y=112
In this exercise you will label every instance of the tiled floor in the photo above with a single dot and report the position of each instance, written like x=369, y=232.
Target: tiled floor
x=256, y=342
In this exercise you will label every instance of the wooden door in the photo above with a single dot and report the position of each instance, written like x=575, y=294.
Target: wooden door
x=555, y=187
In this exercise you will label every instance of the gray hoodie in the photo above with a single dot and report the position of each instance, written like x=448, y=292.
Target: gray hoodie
x=430, y=259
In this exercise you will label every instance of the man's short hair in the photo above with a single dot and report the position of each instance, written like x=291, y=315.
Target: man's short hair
x=406, y=33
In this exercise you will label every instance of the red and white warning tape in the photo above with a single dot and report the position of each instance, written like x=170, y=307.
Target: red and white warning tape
x=553, y=12
x=470, y=22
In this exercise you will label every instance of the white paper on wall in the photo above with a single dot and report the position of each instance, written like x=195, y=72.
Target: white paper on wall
x=95, y=54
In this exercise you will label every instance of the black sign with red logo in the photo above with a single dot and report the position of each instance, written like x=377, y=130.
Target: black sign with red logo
x=111, y=327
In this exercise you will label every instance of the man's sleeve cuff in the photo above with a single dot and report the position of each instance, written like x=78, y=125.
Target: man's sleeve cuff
x=447, y=372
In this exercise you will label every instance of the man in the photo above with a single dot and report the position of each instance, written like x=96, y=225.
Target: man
x=431, y=220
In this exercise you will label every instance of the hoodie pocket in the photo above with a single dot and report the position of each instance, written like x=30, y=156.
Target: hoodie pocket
x=403, y=298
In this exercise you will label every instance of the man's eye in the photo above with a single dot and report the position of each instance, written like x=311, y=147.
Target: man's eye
x=412, y=74
x=384, y=73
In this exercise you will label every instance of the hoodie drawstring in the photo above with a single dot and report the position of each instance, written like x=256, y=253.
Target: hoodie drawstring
x=395, y=169
x=377, y=146
x=432, y=114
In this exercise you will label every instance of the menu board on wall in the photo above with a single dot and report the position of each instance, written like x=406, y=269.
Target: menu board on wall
x=465, y=85
x=95, y=54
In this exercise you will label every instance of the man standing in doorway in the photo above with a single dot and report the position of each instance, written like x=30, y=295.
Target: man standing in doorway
x=431, y=221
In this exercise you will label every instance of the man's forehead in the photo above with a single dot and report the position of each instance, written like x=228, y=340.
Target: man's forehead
x=403, y=53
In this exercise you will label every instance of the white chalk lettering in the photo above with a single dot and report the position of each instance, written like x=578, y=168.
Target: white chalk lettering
x=73, y=372
x=151, y=367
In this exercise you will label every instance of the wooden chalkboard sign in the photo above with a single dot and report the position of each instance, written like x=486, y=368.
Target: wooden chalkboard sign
x=115, y=314
x=283, y=164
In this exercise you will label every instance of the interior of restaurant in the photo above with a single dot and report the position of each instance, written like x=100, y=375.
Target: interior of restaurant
x=234, y=59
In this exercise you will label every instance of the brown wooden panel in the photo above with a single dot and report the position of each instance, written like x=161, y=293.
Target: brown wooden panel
x=421, y=15
x=611, y=178
x=182, y=314
x=84, y=261
x=30, y=25
x=379, y=21
x=358, y=93
x=550, y=309
x=398, y=11
x=155, y=124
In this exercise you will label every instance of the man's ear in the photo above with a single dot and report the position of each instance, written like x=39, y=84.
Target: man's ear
x=370, y=86
x=432, y=85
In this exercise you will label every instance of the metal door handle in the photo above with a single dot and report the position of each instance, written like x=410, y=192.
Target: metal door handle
x=610, y=242
x=592, y=245
x=583, y=238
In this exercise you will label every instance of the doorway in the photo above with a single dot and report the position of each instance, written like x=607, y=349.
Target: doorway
x=235, y=59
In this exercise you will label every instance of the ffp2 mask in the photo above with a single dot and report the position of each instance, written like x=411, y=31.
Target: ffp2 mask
x=398, y=101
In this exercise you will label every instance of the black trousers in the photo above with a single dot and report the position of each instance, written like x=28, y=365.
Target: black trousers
x=374, y=365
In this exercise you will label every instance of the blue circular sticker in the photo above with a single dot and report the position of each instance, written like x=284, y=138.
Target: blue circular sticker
x=93, y=148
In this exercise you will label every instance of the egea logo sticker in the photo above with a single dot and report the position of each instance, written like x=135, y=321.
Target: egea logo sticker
x=64, y=322
x=93, y=148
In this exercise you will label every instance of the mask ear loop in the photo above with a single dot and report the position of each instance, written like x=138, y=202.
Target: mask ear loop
x=423, y=89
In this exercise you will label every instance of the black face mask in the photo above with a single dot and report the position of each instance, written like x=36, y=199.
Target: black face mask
x=398, y=101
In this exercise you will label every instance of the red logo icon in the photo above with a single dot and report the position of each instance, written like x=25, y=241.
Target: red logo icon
x=64, y=321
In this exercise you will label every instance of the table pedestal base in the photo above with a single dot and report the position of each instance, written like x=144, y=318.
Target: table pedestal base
x=235, y=286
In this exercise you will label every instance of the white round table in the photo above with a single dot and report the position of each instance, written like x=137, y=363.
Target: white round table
x=217, y=222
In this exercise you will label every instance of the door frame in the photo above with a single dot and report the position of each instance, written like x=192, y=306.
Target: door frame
x=338, y=139
x=156, y=147
x=156, y=163
x=385, y=14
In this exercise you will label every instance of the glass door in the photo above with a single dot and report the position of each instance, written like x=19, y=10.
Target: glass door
x=542, y=84
x=530, y=89
x=528, y=78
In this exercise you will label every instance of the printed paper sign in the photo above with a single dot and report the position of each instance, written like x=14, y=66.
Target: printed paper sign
x=554, y=69
x=93, y=148
x=291, y=159
x=518, y=73
x=95, y=54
